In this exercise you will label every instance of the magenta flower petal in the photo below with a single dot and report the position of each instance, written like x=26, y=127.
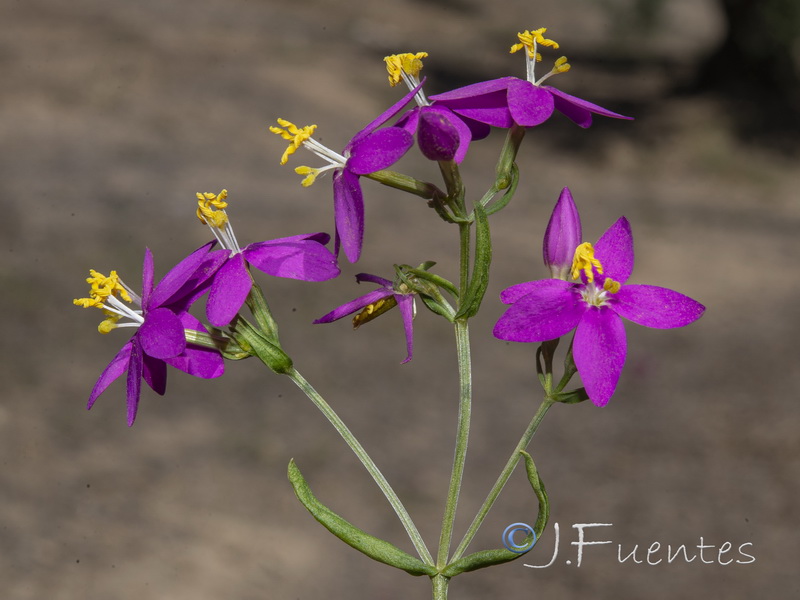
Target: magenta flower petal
x=173, y=282
x=406, y=305
x=384, y=116
x=161, y=335
x=379, y=150
x=579, y=110
x=117, y=366
x=552, y=308
x=475, y=90
x=154, y=372
x=147, y=277
x=348, y=206
x=307, y=260
x=614, y=250
x=354, y=305
x=599, y=350
x=134, y=383
x=657, y=307
x=373, y=279
x=543, y=286
x=562, y=236
x=530, y=105
x=437, y=138
x=198, y=361
x=228, y=292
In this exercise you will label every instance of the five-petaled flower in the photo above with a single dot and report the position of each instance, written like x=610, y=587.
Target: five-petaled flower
x=371, y=149
x=550, y=308
x=526, y=102
x=303, y=257
x=376, y=303
x=160, y=323
x=441, y=133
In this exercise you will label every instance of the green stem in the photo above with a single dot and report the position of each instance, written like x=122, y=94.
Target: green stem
x=440, y=584
x=462, y=438
x=504, y=476
x=368, y=463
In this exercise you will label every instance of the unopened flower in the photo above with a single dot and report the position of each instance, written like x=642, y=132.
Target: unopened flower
x=562, y=236
x=303, y=257
x=441, y=133
x=377, y=302
x=509, y=100
x=550, y=308
x=160, y=318
x=370, y=150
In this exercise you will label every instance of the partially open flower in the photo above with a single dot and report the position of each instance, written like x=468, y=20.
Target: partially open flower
x=159, y=320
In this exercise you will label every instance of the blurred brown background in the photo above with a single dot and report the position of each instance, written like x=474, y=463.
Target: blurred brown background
x=113, y=113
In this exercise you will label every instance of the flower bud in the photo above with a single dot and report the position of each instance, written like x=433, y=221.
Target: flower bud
x=562, y=236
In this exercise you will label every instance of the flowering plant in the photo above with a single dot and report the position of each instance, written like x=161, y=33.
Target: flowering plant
x=587, y=292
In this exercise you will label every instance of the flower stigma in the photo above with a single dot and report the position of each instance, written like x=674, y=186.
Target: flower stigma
x=211, y=212
x=107, y=294
x=531, y=40
x=297, y=137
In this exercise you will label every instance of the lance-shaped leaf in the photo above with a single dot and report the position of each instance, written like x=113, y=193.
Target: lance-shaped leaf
x=375, y=548
x=480, y=272
x=488, y=558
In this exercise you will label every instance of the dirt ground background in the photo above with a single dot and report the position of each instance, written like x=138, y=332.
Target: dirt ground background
x=113, y=114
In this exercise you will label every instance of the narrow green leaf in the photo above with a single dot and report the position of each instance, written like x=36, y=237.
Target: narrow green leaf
x=375, y=548
x=488, y=558
x=480, y=272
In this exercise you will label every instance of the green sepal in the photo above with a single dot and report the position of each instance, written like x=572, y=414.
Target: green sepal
x=572, y=397
x=218, y=340
x=471, y=301
x=488, y=558
x=375, y=548
x=257, y=344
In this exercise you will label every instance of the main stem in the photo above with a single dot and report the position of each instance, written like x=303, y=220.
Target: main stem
x=513, y=460
x=367, y=461
x=462, y=438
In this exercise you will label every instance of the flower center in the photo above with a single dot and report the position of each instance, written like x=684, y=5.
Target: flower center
x=531, y=40
x=107, y=293
x=586, y=267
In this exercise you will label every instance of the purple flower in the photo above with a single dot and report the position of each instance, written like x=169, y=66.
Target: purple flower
x=376, y=303
x=160, y=323
x=441, y=133
x=550, y=308
x=562, y=236
x=370, y=150
x=526, y=102
x=303, y=257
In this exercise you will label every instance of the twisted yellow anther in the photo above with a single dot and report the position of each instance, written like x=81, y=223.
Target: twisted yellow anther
x=310, y=173
x=211, y=208
x=293, y=134
x=530, y=40
x=408, y=63
x=585, y=261
x=101, y=287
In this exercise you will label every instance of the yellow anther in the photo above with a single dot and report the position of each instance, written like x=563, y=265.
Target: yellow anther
x=585, y=261
x=562, y=66
x=109, y=324
x=211, y=208
x=530, y=40
x=408, y=63
x=612, y=286
x=101, y=287
x=374, y=310
x=294, y=134
x=310, y=173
